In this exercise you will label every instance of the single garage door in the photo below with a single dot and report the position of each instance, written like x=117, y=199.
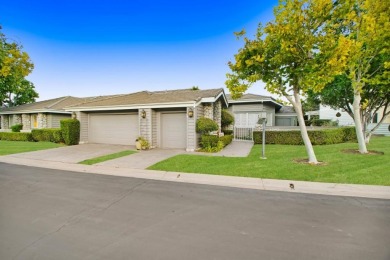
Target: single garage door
x=174, y=130
x=113, y=128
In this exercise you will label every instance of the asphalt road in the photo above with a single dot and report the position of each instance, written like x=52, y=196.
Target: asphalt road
x=50, y=214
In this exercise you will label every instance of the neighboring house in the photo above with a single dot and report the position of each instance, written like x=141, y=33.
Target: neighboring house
x=43, y=114
x=344, y=119
x=249, y=107
x=167, y=119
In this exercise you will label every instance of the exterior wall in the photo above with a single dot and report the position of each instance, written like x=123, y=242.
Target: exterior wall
x=208, y=110
x=26, y=121
x=55, y=120
x=16, y=119
x=217, y=113
x=84, y=123
x=4, y=122
x=154, y=129
x=42, y=120
x=199, y=112
x=253, y=108
x=380, y=113
x=328, y=113
x=145, y=124
x=191, y=131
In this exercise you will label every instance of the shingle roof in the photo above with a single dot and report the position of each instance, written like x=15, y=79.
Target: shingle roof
x=49, y=105
x=248, y=97
x=157, y=97
x=286, y=109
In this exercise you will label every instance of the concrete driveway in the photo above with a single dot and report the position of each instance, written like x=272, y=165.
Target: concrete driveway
x=73, y=154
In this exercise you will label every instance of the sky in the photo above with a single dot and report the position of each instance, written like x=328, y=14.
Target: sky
x=91, y=48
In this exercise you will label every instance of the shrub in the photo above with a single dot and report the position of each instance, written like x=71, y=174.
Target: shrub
x=226, y=139
x=12, y=136
x=321, y=122
x=144, y=143
x=228, y=132
x=205, y=125
x=226, y=118
x=317, y=137
x=16, y=128
x=209, y=141
x=47, y=135
x=70, y=129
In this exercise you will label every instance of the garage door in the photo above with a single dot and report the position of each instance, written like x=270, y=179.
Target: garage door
x=174, y=130
x=113, y=128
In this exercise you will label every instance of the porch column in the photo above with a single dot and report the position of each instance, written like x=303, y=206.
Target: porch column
x=26, y=121
x=217, y=113
x=4, y=122
x=145, y=124
x=42, y=120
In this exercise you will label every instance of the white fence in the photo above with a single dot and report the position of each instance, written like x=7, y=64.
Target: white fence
x=243, y=133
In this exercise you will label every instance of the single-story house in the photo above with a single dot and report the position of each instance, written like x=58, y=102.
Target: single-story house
x=166, y=119
x=43, y=114
x=249, y=107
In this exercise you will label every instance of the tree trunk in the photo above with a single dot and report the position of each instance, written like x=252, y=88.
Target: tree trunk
x=306, y=140
x=358, y=122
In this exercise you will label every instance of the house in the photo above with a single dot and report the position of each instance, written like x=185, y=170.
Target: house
x=166, y=119
x=43, y=114
x=249, y=107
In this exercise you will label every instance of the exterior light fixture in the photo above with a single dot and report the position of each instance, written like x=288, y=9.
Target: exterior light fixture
x=190, y=113
x=143, y=113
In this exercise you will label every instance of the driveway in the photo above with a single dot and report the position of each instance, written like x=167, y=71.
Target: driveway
x=73, y=154
x=51, y=214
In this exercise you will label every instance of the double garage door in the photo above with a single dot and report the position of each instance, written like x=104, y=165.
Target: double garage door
x=113, y=128
x=124, y=129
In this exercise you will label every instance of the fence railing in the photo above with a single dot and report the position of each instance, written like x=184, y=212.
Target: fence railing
x=243, y=133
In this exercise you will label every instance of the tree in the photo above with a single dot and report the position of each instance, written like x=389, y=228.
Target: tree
x=293, y=54
x=365, y=26
x=15, y=65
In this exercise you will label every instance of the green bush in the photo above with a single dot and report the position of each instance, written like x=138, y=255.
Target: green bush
x=9, y=136
x=321, y=122
x=209, y=141
x=228, y=132
x=47, y=135
x=226, y=118
x=70, y=131
x=16, y=128
x=226, y=139
x=317, y=137
x=205, y=125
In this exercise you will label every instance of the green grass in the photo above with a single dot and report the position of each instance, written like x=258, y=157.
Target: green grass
x=11, y=147
x=107, y=157
x=339, y=167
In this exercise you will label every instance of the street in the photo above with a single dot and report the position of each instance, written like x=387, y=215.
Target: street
x=52, y=214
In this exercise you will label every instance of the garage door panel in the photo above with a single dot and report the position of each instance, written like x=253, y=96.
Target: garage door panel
x=113, y=129
x=174, y=130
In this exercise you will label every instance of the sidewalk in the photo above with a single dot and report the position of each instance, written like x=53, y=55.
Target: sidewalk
x=353, y=190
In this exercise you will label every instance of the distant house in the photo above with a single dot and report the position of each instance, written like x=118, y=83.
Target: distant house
x=43, y=114
x=249, y=107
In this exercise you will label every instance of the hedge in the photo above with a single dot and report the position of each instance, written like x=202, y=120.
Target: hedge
x=16, y=136
x=47, y=135
x=213, y=143
x=70, y=131
x=228, y=132
x=317, y=137
x=226, y=139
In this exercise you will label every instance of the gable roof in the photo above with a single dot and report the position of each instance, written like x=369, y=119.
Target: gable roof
x=55, y=105
x=147, y=98
x=286, y=109
x=252, y=98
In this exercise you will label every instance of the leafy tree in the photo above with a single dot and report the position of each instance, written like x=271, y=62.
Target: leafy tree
x=293, y=54
x=364, y=24
x=15, y=65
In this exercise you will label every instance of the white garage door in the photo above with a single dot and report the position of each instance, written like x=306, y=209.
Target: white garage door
x=174, y=130
x=113, y=128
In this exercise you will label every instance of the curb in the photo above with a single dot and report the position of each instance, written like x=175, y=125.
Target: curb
x=334, y=189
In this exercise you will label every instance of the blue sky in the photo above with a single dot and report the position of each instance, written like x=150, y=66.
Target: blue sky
x=88, y=48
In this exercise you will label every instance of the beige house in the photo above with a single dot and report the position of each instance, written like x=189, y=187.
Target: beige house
x=167, y=119
x=43, y=114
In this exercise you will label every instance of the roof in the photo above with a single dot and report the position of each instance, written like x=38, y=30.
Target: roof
x=51, y=105
x=246, y=97
x=286, y=109
x=147, y=97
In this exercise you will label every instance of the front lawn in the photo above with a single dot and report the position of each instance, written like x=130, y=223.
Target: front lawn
x=107, y=157
x=339, y=167
x=11, y=147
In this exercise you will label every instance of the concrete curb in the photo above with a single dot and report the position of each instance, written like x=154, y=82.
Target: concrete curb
x=353, y=190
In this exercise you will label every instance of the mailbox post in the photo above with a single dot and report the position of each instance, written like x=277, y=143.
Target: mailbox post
x=263, y=121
